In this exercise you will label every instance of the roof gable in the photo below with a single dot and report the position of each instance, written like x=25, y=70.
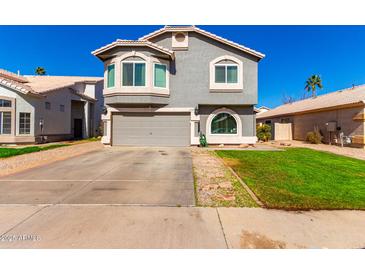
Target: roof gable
x=133, y=43
x=210, y=35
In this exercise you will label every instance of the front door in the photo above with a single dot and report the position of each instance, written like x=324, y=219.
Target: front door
x=77, y=128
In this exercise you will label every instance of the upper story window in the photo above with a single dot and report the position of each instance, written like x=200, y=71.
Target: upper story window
x=111, y=76
x=226, y=73
x=134, y=73
x=159, y=75
x=5, y=103
x=47, y=105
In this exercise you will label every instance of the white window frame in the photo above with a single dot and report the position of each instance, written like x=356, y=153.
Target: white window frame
x=134, y=62
x=229, y=112
x=107, y=75
x=2, y=122
x=229, y=87
x=236, y=138
x=167, y=76
x=30, y=123
x=226, y=65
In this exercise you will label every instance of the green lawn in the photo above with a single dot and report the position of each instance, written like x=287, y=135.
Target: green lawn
x=301, y=178
x=9, y=152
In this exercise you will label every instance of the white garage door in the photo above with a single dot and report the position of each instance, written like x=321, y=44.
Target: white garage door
x=151, y=129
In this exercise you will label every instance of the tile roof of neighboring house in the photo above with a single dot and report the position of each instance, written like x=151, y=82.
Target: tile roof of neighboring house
x=258, y=109
x=12, y=76
x=36, y=85
x=345, y=97
x=205, y=33
x=42, y=84
x=133, y=43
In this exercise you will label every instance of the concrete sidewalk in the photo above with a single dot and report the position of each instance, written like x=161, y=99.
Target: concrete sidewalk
x=118, y=226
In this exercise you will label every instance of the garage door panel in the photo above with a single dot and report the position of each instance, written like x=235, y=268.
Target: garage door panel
x=140, y=129
x=153, y=132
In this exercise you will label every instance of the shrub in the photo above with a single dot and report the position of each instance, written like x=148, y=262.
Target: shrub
x=263, y=132
x=314, y=137
x=203, y=140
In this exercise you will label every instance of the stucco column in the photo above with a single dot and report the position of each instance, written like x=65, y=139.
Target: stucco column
x=86, y=133
x=106, y=118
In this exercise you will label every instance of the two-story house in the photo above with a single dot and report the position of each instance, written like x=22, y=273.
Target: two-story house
x=175, y=83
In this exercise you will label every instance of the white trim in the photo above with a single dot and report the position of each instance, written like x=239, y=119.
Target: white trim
x=230, y=112
x=227, y=138
x=107, y=75
x=205, y=33
x=176, y=45
x=226, y=86
x=133, y=43
x=134, y=78
x=166, y=76
x=225, y=71
x=148, y=88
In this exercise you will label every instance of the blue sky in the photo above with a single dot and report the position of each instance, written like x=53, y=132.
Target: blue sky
x=293, y=53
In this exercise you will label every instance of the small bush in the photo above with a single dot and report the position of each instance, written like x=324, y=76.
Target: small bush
x=314, y=137
x=263, y=132
x=203, y=140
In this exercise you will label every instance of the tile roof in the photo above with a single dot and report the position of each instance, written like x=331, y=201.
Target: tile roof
x=12, y=76
x=4, y=81
x=133, y=43
x=354, y=95
x=42, y=84
x=37, y=85
x=205, y=33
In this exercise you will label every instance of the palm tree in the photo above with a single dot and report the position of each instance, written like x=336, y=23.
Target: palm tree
x=40, y=71
x=312, y=83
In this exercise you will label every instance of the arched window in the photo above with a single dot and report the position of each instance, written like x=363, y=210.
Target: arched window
x=134, y=71
x=226, y=73
x=224, y=123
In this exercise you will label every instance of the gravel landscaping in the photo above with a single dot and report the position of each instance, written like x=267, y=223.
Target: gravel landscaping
x=214, y=183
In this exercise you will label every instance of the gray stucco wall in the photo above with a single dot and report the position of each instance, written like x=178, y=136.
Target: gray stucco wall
x=189, y=82
x=245, y=112
x=189, y=73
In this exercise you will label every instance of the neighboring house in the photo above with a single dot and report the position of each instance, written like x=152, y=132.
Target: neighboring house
x=48, y=108
x=261, y=109
x=332, y=113
x=175, y=83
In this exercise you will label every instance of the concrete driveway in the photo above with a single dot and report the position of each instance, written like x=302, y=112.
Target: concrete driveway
x=128, y=176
